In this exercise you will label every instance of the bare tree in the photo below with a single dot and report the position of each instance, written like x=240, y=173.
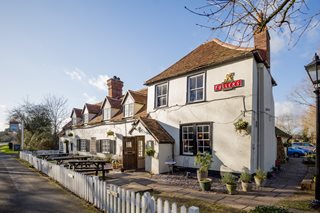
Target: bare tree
x=288, y=123
x=303, y=94
x=57, y=111
x=239, y=20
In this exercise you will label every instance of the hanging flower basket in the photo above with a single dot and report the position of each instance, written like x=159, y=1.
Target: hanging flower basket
x=241, y=125
x=110, y=133
x=70, y=134
x=66, y=141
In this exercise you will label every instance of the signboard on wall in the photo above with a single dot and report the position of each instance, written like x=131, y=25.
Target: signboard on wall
x=229, y=83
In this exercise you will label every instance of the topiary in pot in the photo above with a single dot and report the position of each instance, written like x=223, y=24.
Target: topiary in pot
x=245, y=178
x=230, y=181
x=203, y=160
x=205, y=184
x=260, y=177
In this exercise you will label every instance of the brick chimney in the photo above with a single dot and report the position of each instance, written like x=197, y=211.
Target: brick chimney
x=115, y=87
x=262, y=43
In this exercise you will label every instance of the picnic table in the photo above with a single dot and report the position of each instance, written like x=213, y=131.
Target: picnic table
x=60, y=160
x=89, y=166
x=46, y=156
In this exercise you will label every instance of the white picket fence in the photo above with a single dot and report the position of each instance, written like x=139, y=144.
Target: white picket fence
x=106, y=197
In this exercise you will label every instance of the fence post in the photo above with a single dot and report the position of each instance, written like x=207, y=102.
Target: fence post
x=166, y=208
x=128, y=201
x=159, y=205
x=132, y=201
x=193, y=209
x=138, y=203
x=183, y=209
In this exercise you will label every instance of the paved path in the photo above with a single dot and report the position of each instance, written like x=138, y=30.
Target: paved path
x=283, y=185
x=23, y=190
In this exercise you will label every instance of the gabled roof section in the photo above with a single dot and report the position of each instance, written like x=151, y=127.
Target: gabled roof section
x=92, y=108
x=156, y=130
x=114, y=103
x=281, y=133
x=77, y=111
x=212, y=53
x=139, y=96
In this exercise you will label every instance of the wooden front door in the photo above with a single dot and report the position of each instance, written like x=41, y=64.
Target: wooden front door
x=129, y=153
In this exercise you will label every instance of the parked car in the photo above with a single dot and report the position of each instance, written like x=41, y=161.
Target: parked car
x=304, y=145
x=296, y=152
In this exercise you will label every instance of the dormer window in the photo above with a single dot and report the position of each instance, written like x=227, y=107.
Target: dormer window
x=107, y=114
x=86, y=118
x=74, y=121
x=128, y=110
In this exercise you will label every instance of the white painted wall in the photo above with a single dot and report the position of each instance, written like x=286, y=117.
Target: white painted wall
x=231, y=150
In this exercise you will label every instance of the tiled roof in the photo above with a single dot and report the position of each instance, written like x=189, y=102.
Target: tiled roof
x=281, y=133
x=139, y=96
x=208, y=54
x=78, y=112
x=93, y=108
x=157, y=131
x=115, y=103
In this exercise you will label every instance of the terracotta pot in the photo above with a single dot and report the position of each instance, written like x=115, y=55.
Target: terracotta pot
x=202, y=175
x=246, y=187
x=205, y=184
x=231, y=188
x=258, y=181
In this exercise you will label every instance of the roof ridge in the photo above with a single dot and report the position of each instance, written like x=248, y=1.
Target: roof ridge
x=230, y=46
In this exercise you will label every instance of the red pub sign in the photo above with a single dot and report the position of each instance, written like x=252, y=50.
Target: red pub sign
x=229, y=83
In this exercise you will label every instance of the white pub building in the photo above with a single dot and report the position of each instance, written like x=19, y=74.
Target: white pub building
x=189, y=108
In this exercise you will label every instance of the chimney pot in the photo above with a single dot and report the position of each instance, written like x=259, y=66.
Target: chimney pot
x=115, y=86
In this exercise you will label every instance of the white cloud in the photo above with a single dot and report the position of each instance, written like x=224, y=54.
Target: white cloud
x=89, y=99
x=278, y=42
x=76, y=74
x=287, y=108
x=99, y=82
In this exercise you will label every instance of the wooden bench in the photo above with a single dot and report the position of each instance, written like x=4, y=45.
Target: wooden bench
x=104, y=170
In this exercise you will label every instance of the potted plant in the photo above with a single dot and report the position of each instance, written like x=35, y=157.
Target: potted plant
x=230, y=181
x=205, y=184
x=241, y=125
x=203, y=160
x=260, y=177
x=245, y=179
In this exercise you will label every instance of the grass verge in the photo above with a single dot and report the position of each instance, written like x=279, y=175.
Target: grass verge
x=299, y=201
x=5, y=149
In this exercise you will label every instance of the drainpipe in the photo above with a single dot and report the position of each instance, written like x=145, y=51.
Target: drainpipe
x=258, y=117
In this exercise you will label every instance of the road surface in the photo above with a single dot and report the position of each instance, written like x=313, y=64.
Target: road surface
x=24, y=190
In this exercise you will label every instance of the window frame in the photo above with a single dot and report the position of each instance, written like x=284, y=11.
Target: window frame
x=107, y=143
x=204, y=86
x=86, y=118
x=125, y=111
x=194, y=140
x=156, y=96
x=83, y=144
x=104, y=114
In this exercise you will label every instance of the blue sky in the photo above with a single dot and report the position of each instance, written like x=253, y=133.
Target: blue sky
x=68, y=48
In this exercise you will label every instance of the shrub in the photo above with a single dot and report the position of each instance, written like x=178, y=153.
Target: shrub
x=228, y=178
x=203, y=160
x=269, y=209
x=245, y=176
x=261, y=174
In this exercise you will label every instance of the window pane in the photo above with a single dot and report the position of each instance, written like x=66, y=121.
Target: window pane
x=192, y=96
x=199, y=81
x=200, y=94
x=192, y=83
